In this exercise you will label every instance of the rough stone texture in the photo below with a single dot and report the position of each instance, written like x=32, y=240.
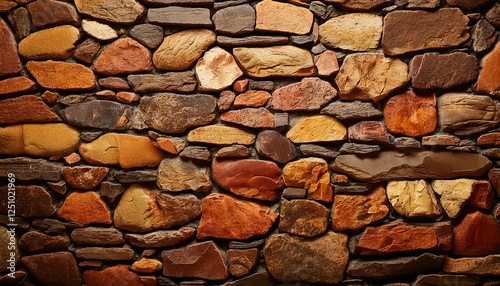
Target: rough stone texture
x=274, y=61
x=411, y=31
x=173, y=81
x=141, y=176
x=389, y=165
x=494, y=178
x=217, y=70
x=418, y=4
x=58, y=268
x=489, y=80
x=180, y=16
x=271, y=144
x=235, y=20
x=242, y=261
x=111, y=276
x=454, y=194
x=370, y=76
x=115, y=11
x=357, y=211
x=180, y=50
x=123, y=56
x=251, y=98
x=100, y=31
x=251, y=41
x=234, y=151
x=308, y=94
x=359, y=5
x=175, y=113
x=85, y=178
x=161, y=238
x=311, y=173
x=250, y=117
x=368, y=132
x=196, y=152
x=225, y=100
x=493, y=15
x=355, y=32
x=317, y=128
x=53, y=43
x=149, y=35
x=105, y=253
x=47, y=13
x=468, y=5
x=97, y=236
x=202, y=260
x=318, y=260
x=273, y=16
x=413, y=198
x=352, y=110
x=147, y=265
x=483, y=36
x=476, y=234
x=177, y=174
x=490, y=139
x=220, y=135
x=101, y=114
x=326, y=63
x=412, y=114
x=437, y=71
x=38, y=242
x=31, y=201
x=317, y=150
x=446, y=279
x=10, y=64
x=27, y=169
x=440, y=140
x=26, y=109
x=482, y=196
x=303, y=217
x=62, y=76
x=86, y=51
x=20, y=22
x=16, y=85
x=488, y=265
x=85, y=208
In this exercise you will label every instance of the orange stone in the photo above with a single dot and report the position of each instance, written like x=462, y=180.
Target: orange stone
x=128, y=97
x=17, y=85
x=340, y=179
x=491, y=139
x=85, y=178
x=253, y=98
x=326, y=63
x=489, y=78
x=72, y=158
x=106, y=94
x=50, y=97
x=476, y=234
x=124, y=56
x=26, y=109
x=62, y=76
x=115, y=275
x=482, y=196
x=411, y=114
x=241, y=85
x=250, y=117
x=85, y=208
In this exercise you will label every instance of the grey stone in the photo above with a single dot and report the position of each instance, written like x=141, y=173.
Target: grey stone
x=229, y=3
x=305, y=41
x=406, y=142
x=359, y=148
x=180, y=16
x=353, y=189
x=317, y=150
x=251, y=41
x=247, y=245
x=235, y=20
x=89, y=136
x=352, y=110
x=111, y=191
x=483, y=36
x=149, y=35
x=196, y=152
x=171, y=81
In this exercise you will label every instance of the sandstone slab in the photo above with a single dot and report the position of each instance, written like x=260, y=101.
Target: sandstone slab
x=217, y=70
x=177, y=174
x=488, y=265
x=26, y=109
x=58, y=268
x=115, y=11
x=112, y=275
x=273, y=16
x=308, y=94
x=62, y=76
x=27, y=169
x=31, y=201
x=317, y=128
x=100, y=114
x=220, y=135
x=303, y=217
x=489, y=80
x=54, y=43
x=123, y=56
x=250, y=117
x=311, y=173
x=271, y=144
x=10, y=64
x=172, y=81
x=352, y=110
x=85, y=178
x=47, y=13
x=413, y=198
x=251, y=41
x=97, y=236
x=85, y=208
x=100, y=31
x=251, y=98
x=180, y=16
x=16, y=85
x=161, y=238
x=476, y=234
x=235, y=20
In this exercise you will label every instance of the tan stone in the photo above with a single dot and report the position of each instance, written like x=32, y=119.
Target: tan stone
x=454, y=194
x=317, y=128
x=62, y=76
x=217, y=70
x=310, y=173
x=180, y=50
x=220, y=135
x=98, y=30
x=326, y=63
x=116, y=11
x=355, y=32
x=147, y=265
x=489, y=265
x=176, y=174
x=16, y=85
x=54, y=43
x=413, y=198
x=274, y=16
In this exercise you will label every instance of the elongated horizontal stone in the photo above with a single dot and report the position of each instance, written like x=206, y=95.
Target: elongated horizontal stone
x=16, y=85
x=274, y=16
x=54, y=43
x=220, y=135
x=62, y=76
x=99, y=114
x=26, y=109
x=352, y=110
x=27, y=169
x=182, y=81
x=115, y=11
x=251, y=41
x=105, y=253
x=488, y=265
x=181, y=16
x=308, y=94
x=161, y=238
x=97, y=236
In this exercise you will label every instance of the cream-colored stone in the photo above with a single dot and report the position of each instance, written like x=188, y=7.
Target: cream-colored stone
x=317, y=128
x=454, y=194
x=413, y=198
x=98, y=30
x=217, y=70
x=274, y=16
x=220, y=135
x=116, y=11
x=54, y=43
x=311, y=173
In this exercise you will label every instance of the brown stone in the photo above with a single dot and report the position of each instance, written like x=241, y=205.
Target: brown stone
x=196, y=152
x=85, y=208
x=147, y=265
x=352, y=110
x=105, y=253
x=235, y=20
x=47, y=13
x=326, y=63
x=20, y=21
x=234, y=151
x=6, y=5
x=16, y=85
x=489, y=80
x=58, y=268
x=176, y=174
x=303, y=217
x=172, y=145
x=318, y=260
x=220, y=135
x=271, y=144
x=490, y=139
x=468, y=5
x=38, y=242
x=247, y=218
x=149, y=35
x=127, y=97
x=488, y=265
x=161, y=238
x=114, y=83
x=225, y=100
x=27, y=169
x=309, y=94
x=483, y=36
x=86, y=51
x=97, y=236
x=24, y=109
x=256, y=179
x=242, y=261
x=440, y=140
x=317, y=128
x=250, y=117
x=252, y=98
x=31, y=201
x=493, y=15
x=124, y=56
x=359, y=5
x=115, y=11
x=15, y=278
x=102, y=114
x=173, y=81
x=273, y=16
x=446, y=279
x=10, y=64
x=251, y=41
x=311, y=173
x=62, y=76
x=482, y=196
x=418, y=4
x=111, y=276
x=476, y=234
x=202, y=260
x=180, y=16
x=412, y=114
x=368, y=132
x=85, y=178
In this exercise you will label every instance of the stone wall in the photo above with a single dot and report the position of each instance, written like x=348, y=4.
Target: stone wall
x=193, y=142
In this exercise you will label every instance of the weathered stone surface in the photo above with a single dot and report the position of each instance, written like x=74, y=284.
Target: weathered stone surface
x=317, y=128
x=127, y=151
x=242, y=261
x=358, y=148
x=196, y=152
x=100, y=114
x=202, y=260
x=123, y=56
x=317, y=150
x=476, y=234
x=357, y=211
x=271, y=144
x=10, y=64
x=418, y=4
x=175, y=113
x=311, y=173
x=85, y=208
x=225, y=100
x=259, y=278
x=235, y=20
x=368, y=132
x=412, y=114
x=390, y=165
x=112, y=275
x=489, y=80
x=20, y=22
x=440, y=140
x=174, y=81
x=85, y=178
x=38, y=242
x=308, y=94
x=490, y=139
x=356, y=32
x=370, y=76
x=250, y=117
x=179, y=2
x=303, y=217
x=483, y=36
x=111, y=191
x=99, y=31
x=326, y=63
x=180, y=50
x=147, y=265
x=493, y=15
x=53, y=43
x=172, y=145
x=357, y=5
x=256, y=179
x=25, y=109
x=114, y=83
x=59, y=268
x=139, y=176
x=176, y=174
x=251, y=41
x=27, y=169
x=438, y=71
x=318, y=260
x=468, y=5
x=62, y=76
x=454, y=194
x=47, y=13
x=446, y=279
x=273, y=16
x=105, y=253
x=180, y=16
x=217, y=70
x=149, y=35
x=161, y=238
x=352, y=110
x=275, y=61
x=115, y=11
x=488, y=265
x=413, y=198
x=97, y=236
x=86, y=51
x=294, y=193
x=494, y=178
x=31, y=201
x=220, y=135
x=482, y=196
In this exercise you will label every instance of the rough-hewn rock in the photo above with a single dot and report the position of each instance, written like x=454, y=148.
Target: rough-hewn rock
x=482, y=196
x=85, y=207
x=488, y=265
x=31, y=201
x=252, y=98
x=101, y=114
x=235, y=20
x=413, y=198
x=180, y=16
x=271, y=144
x=476, y=234
x=352, y=110
x=46, y=13
x=54, y=43
x=308, y=94
x=250, y=117
x=196, y=152
x=105, y=253
x=26, y=109
x=100, y=31
x=20, y=22
x=251, y=41
x=418, y=4
x=85, y=178
x=86, y=51
x=112, y=275
x=242, y=261
x=123, y=56
x=34, y=241
x=27, y=169
x=115, y=11
x=217, y=70
x=16, y=85
x=326, y=63
x=303, y=217
x=10, y=64
x=368, y=132
x=483, y=36
x=468, y=5
x=273, y=16
x=173, y=81
x=149, y=35
x=446, y=279
x=97, y=236
x=454, y=194
x=59, y=268
x=62, y=76
x=311, y=173
x=317, y=128
x=161, y=238
x=489, y=80
x=176, y=174
x=220, y=135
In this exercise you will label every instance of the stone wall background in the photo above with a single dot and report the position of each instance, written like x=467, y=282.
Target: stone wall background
x=193, y=142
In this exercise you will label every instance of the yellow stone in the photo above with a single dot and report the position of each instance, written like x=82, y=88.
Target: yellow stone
x=311, y=173
x=220, y=135
x=318, y=128
x=413, y=198
x=454, y=194
x=55, y=43
x=147, y=265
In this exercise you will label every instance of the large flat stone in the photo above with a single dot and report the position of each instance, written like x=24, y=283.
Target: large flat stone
x=31, y=201
x=274, y=16
x=115, y=11
x=26, y=109
x=180, y=16
x=102, y=114
x=62, y=76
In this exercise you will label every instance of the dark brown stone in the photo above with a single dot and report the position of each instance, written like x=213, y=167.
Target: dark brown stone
x=47, y=13
x=271, y=144
x=102, y=114
x=97, y=236
x=180, y=16
x=85, y=178
x=114, y=83
x=317, y=151
x=493, y=15
x=50, y=225
x=355, y=148
x=250, y=117
x=20, y=21
x=15, y=278
x=235, y=151
x=105, y=253
x=139, y=176
x=115, y=275
x=482, y=196
x=256, y=279
x=25, y=109
x=308, y=94
x=357, y=5
x=31, y=201
x=111, y=191
x=172, y=81
x=418, y=4
x=38, y=242
x=27, y=169
x=483, y=36
x=226, y=99
x=303, y=217
x=368, y=132
x=476, y=234
x=59, y=268
x=294, y=193
x=235, y=20
x=242, y=261
x=468, y=5
x=245, y=245
x=352, y=110
x=267, y=85
x=251, y=41
x=494, y=178
x=10, y=64
x=196, y=152
x=161, y=238
x=149, y=35
x=446, y=279
x=86, y=51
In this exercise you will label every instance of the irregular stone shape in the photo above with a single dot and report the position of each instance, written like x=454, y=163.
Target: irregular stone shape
x=468, y=5
x=175, y=113
x=259, y=278
x=38, y=242
x=311, y=173
x=483, y=36
x=235, y=151
x=161, y=238
x=488, y=265
x=124, y=56
x=85, y=178
x=235, y=20
x=275, y=61
x=178, y=81
x=16, y=85
x=413, y=198
x=308, y=94
x=27, y=169
x=226, y=99
x=142, y=209
x=97, y=236
x=476, y=234
x=115, y=11
x=357, y=211
x=317, y=128
x=392, y=268
x=440, y=140
x=251, y=41
x=47, y=13
x=139, y=176
x=390, y=165
x=412, y=114
x=58, y=268
x=326, y=63
x=273, y=16
x=112, y=275
x=99, y=31
x=86, y=51
x=370, y=76
x=255, y=179
x=177, y=174
x=180, y=2
x=271, y=144
x=180, y=16
x=172, y=145
x=53, y=140
x=20, y=21
x=10, y=64
x=127, y=151
x=114, y=83
x=319, y=260
x=31, y=201
x=482, y=196
x=105, y=253
x=149, y=35
x=494, y=178
x=368, y=132
x=102, y=114
x=493, y=15
x=317, y=150
x=490, y=139
x=54, y=43
x=180, y=50
x=359, y=5
x=62, y=76
x=242, y=261
x=358, y=148
x=437, y=71
x=446, y=279
x=15, y=278
x=352, y=110
x=418, y=4
x=489, y=80
x=454, y=194
x=196, y=152
x=85, y=208
x=220, y=135
x=411, y=31
x=250, y=117
x=217, y=70
x=25, y=109
x=355, y=32
x=146, y=265
x=202, y=260
x=303, y=217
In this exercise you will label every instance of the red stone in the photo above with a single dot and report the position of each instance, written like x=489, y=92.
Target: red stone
x=250, y=117
x=10, y=64
x=482, y=196
x=368, y=132
x=85, y=178
x=31, y=201
x=489, y=78
x=85, y=208
x=476, y=234
x=115, y=275
x=252, y=98
x=124, y=56
x=59, y=268
x=26, y=109
x=16, y=85
x=34, y=241
x=326, y=63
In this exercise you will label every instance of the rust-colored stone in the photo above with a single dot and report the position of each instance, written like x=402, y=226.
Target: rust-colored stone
x=476, y=234
x=59, y=268
x=16, y=85
x=252, y=98
x=242, y=261
x=303, y=217
x=85, y=178
x=124, y=56
x=489, y=78
x=115, y=275
x=10, y=64
x=489, y=140
x=482, y=196
x=368, y=132
x=85, y=208
x=26, y=109
x=308, y=94
x=311, y=173
x=62, y=76
x=326, y=63
x=250, y=117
